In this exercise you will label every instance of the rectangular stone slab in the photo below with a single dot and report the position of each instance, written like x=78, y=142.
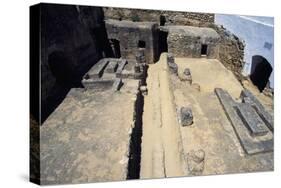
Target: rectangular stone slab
x=252, y=120
x=248, y=97
x=249, y=145
x=97, y=70
x=98, y=85
x=121, y=66
x=117, y=84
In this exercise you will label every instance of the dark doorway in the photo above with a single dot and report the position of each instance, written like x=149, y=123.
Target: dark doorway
x=204, y=49
x=162, y=20
x=115, y=46
x=260, y=71
x=141, y=44
x=163, y=45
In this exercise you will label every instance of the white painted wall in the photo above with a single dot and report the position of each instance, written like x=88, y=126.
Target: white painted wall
x=256, y=32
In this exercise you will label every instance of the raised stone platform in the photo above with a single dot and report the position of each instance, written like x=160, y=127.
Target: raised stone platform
x=87, y=138
x=250, y=145
x=251, y=119
x=249, y=98
x=108, y=72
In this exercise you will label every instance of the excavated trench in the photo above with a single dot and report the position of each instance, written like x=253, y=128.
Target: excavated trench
x=135, y=142
x=134, y=164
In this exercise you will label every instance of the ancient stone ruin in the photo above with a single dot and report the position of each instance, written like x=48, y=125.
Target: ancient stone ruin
x=135, y=94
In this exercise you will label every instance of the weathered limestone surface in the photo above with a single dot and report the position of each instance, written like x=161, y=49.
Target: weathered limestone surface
x=186, y=76
x=249, y=98
x=170, y=17
x=211, y=130
x=98, y=85
x=117, y=84
x=185, y=116
x=120, y=68
x=108, y=72
x=84, y=140
x=173, y=67
x=161, y=144
x=130, y=34
x=231, y=51
x=195, y=161
x=111, y=67
x=250, y=145
x=252, y=120
x=187, y=41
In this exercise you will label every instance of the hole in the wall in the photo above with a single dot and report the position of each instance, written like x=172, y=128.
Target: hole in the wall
x=141, y=44
x=115, y=46
x=162, y=20
x=204, y=48
x=260, y=72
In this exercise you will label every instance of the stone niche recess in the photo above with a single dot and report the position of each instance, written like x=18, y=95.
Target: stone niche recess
x=129, y=37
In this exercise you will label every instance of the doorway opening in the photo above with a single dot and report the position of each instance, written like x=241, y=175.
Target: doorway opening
x=162, y=20
x=115, y=46
x=204, y=49
x=260, y=72
x=163, y=45
x=141, y=44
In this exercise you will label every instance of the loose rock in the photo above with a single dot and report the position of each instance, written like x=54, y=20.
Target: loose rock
x=186, y=117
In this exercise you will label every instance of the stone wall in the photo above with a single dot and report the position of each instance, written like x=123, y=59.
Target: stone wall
x=231, y=51
x=130, y=34
x=167, y=17
x=68, y=49
x=187, y=41
x=74, y=38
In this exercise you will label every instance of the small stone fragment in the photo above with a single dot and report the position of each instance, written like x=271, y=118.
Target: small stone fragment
x=195, y=161
x=143, y=90
x=198, y=156
x=186, y=117
x=173, y=68
x=186, y=76
x=170, y=58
